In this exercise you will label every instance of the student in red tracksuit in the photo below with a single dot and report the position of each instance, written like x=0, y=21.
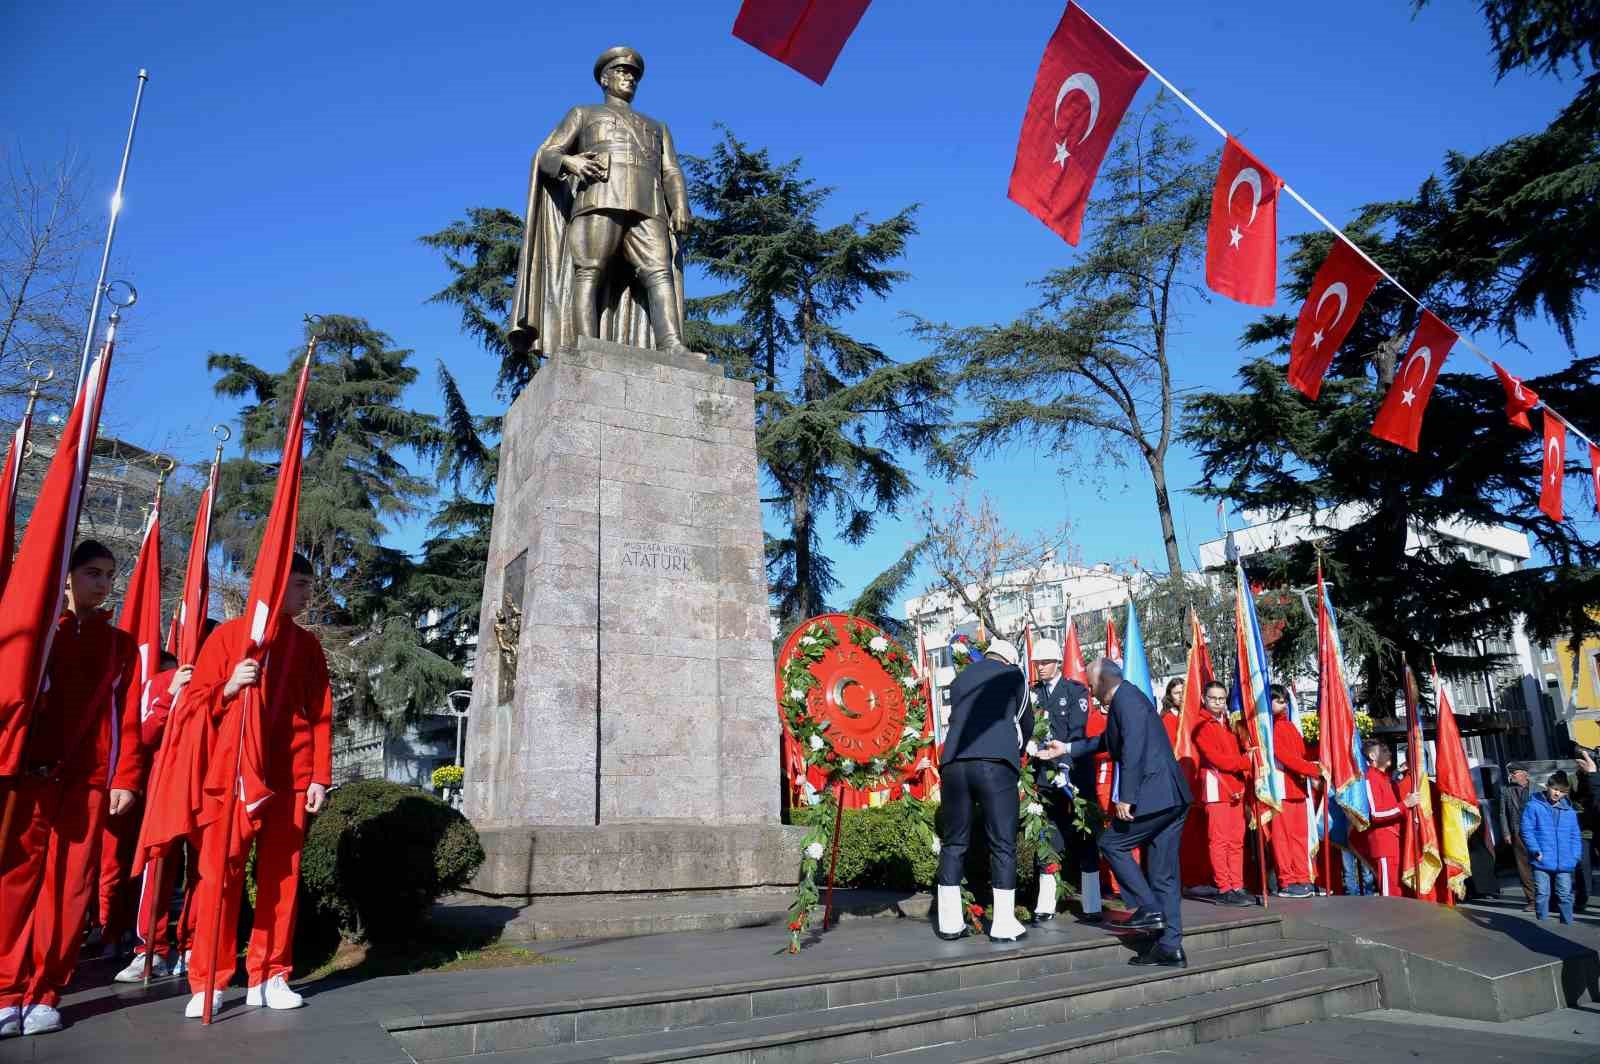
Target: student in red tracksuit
x=1223, y=777
x=1380, y=843
x=82, y=762
x=155, y=894
x=298, y=767
x=1172, y=711
x=1289, y=830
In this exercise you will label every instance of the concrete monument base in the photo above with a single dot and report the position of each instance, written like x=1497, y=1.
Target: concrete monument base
x=623, y=734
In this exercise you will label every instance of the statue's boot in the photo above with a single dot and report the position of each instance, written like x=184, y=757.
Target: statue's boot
x=664, y=317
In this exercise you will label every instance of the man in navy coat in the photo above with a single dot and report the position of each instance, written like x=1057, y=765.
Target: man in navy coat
x=1151, y=799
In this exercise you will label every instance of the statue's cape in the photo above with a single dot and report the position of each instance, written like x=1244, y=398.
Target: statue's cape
x=541, y=315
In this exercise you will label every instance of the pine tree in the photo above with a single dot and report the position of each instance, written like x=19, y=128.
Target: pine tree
x=481, y=252
x=1089, y=369
x=835, y=415
x=354, y=486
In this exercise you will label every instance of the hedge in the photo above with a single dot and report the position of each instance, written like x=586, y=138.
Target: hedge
x=878, y=849
x=380, y=854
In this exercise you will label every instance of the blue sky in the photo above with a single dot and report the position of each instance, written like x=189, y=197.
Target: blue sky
x=290, y=155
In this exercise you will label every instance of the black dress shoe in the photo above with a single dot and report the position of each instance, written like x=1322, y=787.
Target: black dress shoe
x=963, y=933
x=1041, y=919
x=1091, y=918
x=1144, y=921
x=1163, y=957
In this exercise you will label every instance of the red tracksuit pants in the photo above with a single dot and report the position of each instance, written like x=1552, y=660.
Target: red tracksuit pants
x=1381, y=847
x=1287, y=831
x=1225, y=840
x=117, y=897
x=46, y=885
x=278, y=844
x=155, y=899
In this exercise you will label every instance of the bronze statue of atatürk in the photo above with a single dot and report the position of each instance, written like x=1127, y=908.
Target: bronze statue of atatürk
x=606, y=199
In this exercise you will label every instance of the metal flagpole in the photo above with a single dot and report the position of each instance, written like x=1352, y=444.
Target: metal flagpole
x=111, y=232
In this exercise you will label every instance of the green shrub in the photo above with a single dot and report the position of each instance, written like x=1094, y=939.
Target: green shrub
x=380, y=855
x=878, y=848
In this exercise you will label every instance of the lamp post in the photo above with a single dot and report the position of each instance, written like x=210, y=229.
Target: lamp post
x=459, y=711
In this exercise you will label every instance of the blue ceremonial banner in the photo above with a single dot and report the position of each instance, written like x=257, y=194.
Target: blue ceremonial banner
x=1135, y=665
x=1252, y=682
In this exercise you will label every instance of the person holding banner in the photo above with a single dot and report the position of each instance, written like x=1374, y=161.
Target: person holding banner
x=1223, y=777
x=297, y=711
x=1289, y=831
x=80, y=764
x=1380, y=843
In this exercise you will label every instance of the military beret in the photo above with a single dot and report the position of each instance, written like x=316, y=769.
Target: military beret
x=619, y=54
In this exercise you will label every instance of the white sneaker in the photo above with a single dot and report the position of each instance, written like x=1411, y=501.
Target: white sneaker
x=10, y=1021
x=274, y=994
x=196, y=1009
x=180, y=965
x=134, y=972
x=40, y=1019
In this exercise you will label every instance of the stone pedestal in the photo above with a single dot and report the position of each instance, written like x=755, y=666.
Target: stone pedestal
x=636, y=724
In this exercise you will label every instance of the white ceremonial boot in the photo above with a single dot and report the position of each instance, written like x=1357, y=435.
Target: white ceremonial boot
x=274, y=994
x=1089, y=891
x=952, y=925
x=1045, y=911
x=1005, y=927
x=196, y=1009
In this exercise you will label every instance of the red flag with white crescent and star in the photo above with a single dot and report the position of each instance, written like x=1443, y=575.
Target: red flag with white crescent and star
x=804, y=35
x=141, y=615
x=1555, y=467
x=31, y=603
x=1519, y=397
x=8, y=495
x=1242, y=244
x=1400, y=418
x=1338, y=292
x=1086, y=81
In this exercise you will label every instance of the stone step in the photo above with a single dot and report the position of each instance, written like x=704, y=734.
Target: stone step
x=924, y=1020
x=1232, y=1012
x=674, y=1000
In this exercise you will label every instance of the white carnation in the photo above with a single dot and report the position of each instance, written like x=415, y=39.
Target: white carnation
x=937, y=845
x=1035, y=809
x=878, y=644
x=909, y=680
x=814, y=851
x=1032, y=749
x=847, y=767
x=797, y=693
x=816, y=742
x=909, y=732
x=807, y=640
x=877, y=765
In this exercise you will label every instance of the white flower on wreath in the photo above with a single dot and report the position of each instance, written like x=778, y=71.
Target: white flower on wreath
x=815, y=742
x=797, y=693
x=878, y=644
x=908, y=732
x=1035, y=809
x=1033, y=696
x=909, y=680
x=877, y=764
x=814, y=851
x=1032, y=749
x=937, y=845
x=847, y=766
x=807, y=640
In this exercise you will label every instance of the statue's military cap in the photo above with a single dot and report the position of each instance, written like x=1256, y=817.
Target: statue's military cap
x=619, y=54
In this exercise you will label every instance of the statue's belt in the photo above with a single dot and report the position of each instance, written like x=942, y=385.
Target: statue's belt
x=625, y=154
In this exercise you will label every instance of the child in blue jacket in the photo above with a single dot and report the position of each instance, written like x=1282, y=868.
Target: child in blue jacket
x=1555, y=845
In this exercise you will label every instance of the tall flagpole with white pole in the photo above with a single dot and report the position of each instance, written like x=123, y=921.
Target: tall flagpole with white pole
x=111, y=232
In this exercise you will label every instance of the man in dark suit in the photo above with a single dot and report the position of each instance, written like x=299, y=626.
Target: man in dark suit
x=980, y=765
x=1065, y=703
x=1151, y=799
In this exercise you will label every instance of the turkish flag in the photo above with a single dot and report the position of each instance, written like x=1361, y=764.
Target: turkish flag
x=1338, y=292
x=1519, y=399
x=141, y=615
x=8, y=495
x=1594, y=474
x=1085, y=83
x=1400, y=418
x=1555, y=466
x=1072, y=656
x=189, y=624
x=1242, y=241
x=32, y=601
x=805, y=35
x=1113, y=644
